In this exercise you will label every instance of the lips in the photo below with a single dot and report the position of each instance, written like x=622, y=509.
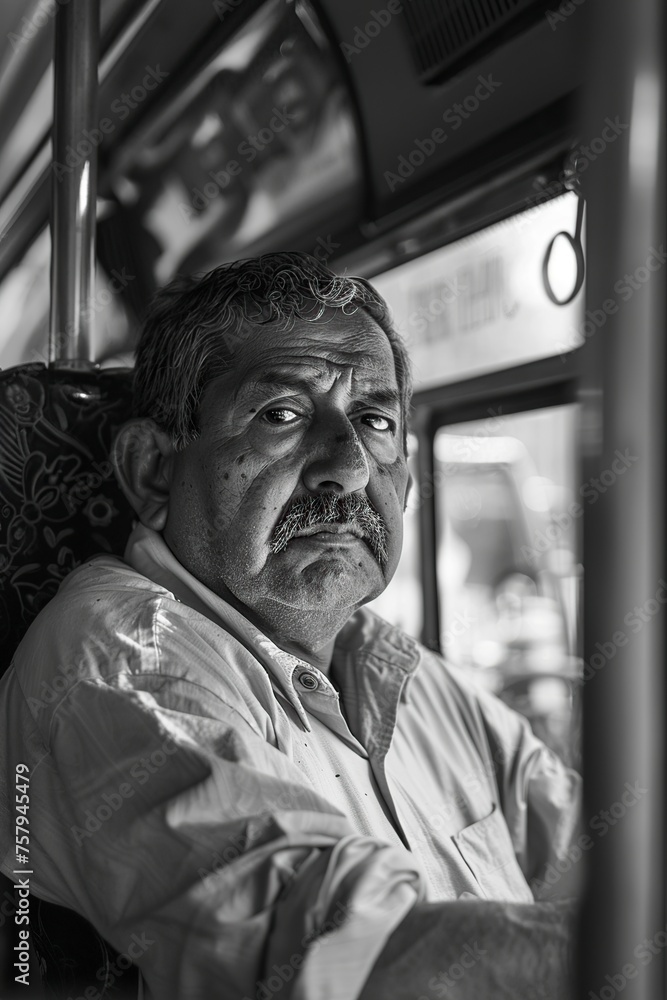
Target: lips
x=330, y=529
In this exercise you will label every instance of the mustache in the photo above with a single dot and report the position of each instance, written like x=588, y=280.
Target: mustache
x=308, y=510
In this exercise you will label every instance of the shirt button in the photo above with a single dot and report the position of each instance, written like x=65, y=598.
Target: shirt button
x=309, y=681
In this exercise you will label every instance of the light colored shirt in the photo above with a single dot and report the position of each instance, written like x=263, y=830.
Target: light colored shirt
x=232, y=814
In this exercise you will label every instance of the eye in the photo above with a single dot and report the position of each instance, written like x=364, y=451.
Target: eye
x=281, y=415
x=379, y=423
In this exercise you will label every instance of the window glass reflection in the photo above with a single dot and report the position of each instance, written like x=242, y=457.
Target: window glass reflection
x=402, y=601
x=261, y=146
x=508, y=562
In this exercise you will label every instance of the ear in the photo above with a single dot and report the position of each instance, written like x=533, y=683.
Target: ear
x=142, y=459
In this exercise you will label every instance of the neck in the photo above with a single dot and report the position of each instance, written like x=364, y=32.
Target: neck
x=309, y=633
x=320, y=658
x=306, y=633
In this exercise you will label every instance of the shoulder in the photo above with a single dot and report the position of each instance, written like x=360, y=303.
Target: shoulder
x=428, y=667
x=104, y=605
x=111, y=626
x=440, y=688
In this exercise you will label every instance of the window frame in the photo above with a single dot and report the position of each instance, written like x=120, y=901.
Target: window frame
x=552, y=381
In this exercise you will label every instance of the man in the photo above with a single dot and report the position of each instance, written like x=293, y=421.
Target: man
x=262, y=788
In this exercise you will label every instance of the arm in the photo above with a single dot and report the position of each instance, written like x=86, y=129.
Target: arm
x=195, y=848
x=541, y=801
x=538, y=795
x=477, y=950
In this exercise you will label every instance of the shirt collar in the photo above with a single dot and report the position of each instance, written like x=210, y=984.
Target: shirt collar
x=148, y=553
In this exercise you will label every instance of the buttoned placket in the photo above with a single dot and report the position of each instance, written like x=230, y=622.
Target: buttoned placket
x=319, y=698
x=375, y=684
x=323, y=702
x=311, y=692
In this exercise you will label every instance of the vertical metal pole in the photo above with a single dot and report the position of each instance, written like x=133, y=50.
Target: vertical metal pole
x=622, y=934
x=427, y=533
x=74, y=181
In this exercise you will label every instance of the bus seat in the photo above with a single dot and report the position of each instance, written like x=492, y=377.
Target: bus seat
x=59, y=498
x=60, y=505
x=70, y=956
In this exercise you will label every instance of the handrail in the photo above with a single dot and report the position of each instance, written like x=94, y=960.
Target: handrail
x=34, y=175
x=73, y=190
x=623, y=412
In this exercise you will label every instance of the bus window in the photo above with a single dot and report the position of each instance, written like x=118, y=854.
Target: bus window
x=508, y=560
x=501, y=558
x=481, y=304
x=24, y=306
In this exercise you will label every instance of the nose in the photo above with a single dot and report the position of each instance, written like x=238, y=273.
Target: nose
x=337, y=461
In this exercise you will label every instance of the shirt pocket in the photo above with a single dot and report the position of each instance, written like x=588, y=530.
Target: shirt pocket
x=486, y=848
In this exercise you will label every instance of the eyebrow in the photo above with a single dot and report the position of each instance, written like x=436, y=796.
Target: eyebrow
x=278, y=381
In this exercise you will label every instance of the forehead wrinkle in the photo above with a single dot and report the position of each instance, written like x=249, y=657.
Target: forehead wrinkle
x=305, y=373
x=277, y=380
x=353, y=348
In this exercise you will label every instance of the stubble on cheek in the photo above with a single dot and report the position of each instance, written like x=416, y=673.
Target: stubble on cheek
x=242, y=509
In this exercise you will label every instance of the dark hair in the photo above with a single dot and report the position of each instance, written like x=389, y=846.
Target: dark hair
x=193, y=325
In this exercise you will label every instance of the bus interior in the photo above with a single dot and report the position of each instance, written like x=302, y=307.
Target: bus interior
x=496, y=169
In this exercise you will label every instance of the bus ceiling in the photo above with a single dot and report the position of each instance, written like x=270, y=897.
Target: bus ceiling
x=394, y=146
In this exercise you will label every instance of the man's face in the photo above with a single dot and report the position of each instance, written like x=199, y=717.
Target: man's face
x=315, y=410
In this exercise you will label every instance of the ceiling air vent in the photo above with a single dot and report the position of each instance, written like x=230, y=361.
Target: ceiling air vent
x=443, y=32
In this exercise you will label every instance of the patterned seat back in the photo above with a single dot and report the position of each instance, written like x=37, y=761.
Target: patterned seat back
x=60, y=503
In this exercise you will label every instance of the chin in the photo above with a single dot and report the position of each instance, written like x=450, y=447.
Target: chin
x=331, y=585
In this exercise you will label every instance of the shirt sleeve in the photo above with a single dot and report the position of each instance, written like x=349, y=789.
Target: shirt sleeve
x=196, y=848
x=540, y=798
